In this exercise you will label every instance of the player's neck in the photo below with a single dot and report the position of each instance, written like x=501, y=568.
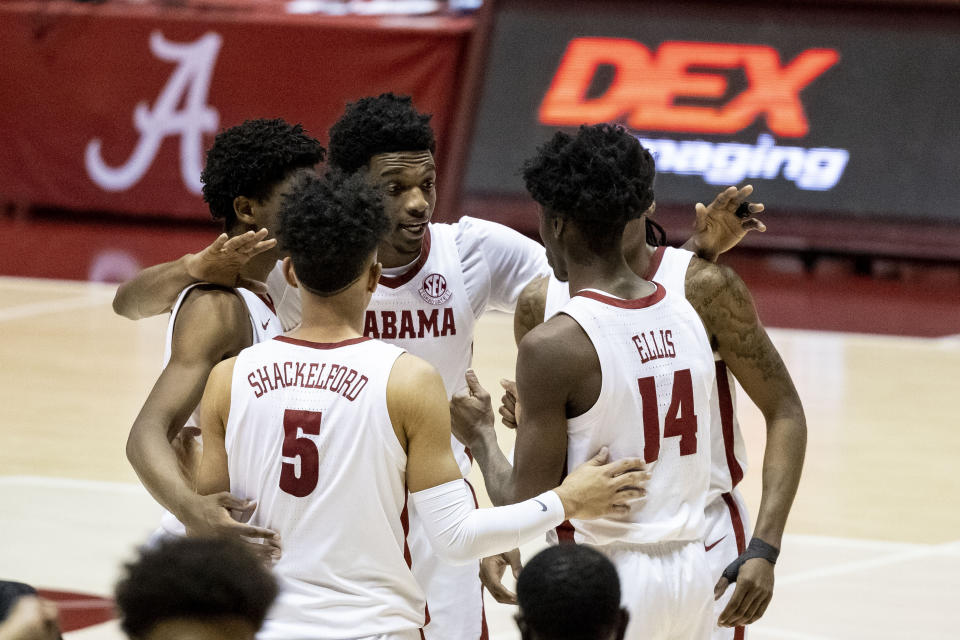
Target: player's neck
x=331, y=319
x=610, y=274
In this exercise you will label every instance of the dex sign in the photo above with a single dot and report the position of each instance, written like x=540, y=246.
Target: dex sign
x=647, y=85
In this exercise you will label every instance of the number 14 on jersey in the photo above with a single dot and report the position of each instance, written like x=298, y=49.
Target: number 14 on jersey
x=680, y=420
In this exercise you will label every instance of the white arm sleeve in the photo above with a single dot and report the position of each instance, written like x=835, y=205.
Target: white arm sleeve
x=460, y=534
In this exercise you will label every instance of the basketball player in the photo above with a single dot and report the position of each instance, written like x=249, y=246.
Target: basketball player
x=570, y=592
x=248, y=169
x=727, y=519
x=575, y=370
x=330, y=430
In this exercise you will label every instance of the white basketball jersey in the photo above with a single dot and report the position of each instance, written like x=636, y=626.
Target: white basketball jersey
x=427, y=312
x=728, y=450
x=668, y=266
x=263, y=321
x=265, y=325
x=654, y=403
x=310, y=439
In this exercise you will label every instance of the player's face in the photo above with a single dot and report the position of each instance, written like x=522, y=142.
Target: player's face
x=266, y=212
x=552, y=245
x=407, y=181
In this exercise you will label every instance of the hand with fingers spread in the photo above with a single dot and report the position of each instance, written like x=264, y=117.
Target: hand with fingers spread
x=722, y=224
x=209, y=516
x=509, y=407
x=471, y=412
x=597, y=489
x=491, y=575
x=222, y=261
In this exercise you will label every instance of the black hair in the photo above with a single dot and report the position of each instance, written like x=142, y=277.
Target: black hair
x=195, y=578
x=330, y=226
x=599, y=179
x=383, y=124
x=569, y=592
x=656, y=236
x=251, y=159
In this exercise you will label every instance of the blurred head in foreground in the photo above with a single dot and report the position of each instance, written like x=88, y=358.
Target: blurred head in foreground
x=195, y=588
x=570, y=592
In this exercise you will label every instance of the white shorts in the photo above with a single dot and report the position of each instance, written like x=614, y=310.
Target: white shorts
x=728, y=531
x=666, y=588
x=454, y=593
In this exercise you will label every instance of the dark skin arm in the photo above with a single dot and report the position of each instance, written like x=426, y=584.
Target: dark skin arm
x=154, y=290
x=558, y=374
x=730, y=317
x=211, y=325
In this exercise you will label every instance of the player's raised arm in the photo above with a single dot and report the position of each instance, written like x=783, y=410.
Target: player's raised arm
x=729, y=315
x=418, y=409
x=154, y=290
x=723, y=223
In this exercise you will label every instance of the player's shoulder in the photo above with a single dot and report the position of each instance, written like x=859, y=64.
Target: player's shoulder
x=559, y=341
x=212, y=301
x=211, y=319
x=412, y=372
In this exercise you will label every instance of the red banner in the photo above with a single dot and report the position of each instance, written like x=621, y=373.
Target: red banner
x=111, y=107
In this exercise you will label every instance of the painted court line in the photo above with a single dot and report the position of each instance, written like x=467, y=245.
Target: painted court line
x=920, y=551
x=52, y=306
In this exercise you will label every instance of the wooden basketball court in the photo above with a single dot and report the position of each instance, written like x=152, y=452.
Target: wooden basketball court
x=873, y=544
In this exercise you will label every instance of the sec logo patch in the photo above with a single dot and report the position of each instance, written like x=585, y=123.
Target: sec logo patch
x=434, y=289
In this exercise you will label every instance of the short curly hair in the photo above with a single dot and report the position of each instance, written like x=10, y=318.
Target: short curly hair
x=383, y=124
x=250, y=159
x=193, y=578
x=569, y=592
x=600, y=179
x=330, y=226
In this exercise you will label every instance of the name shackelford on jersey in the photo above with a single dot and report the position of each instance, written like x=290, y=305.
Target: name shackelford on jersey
x=384, y=324
x=313, y=375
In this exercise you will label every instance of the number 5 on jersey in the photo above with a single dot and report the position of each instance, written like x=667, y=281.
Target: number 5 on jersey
x=680, y=419
x=305, y=449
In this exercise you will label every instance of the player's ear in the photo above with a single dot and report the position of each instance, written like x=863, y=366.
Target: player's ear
x=556, y=223
x=289, y=274
x=524, y=629
x=622, y=624
x=243, y=209
x=374, y=275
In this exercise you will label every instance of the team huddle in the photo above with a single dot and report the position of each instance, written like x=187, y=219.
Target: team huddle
x=317, y=401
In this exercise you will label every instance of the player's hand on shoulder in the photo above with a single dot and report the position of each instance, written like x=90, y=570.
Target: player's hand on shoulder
x=491, y=575
x=720, y=225
x=598, y=489
x=210, y=517
x=471, y=412
x=221, y=262
x=752, y=595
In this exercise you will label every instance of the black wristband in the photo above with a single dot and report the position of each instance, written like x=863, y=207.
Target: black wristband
x=756, y=549
x=743, y=211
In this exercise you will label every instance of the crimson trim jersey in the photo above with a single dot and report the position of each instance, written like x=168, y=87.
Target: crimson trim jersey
x=309, y=437
x=668, y=266
x=657, y=372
